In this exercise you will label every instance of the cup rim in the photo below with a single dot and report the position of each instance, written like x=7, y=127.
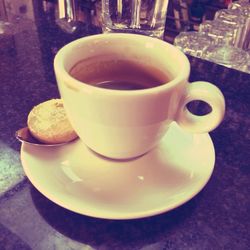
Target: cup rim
x=60, y=67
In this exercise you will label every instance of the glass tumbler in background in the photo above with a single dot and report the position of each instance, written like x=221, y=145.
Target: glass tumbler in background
x=228, y=56
x=146, y=17
x=239, y=18
x=221, y=32
x=193, y=43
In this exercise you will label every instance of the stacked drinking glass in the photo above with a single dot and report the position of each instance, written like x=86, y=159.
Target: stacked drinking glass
x=224, y=40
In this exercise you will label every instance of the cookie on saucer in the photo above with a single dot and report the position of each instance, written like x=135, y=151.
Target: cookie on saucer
x=48, y=123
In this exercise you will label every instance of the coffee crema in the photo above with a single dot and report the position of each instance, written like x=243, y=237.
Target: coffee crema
x=118, y=74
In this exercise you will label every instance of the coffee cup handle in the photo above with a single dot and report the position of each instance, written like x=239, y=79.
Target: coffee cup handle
x=206, y=92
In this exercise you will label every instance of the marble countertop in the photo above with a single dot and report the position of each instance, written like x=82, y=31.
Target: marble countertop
x=217, y=218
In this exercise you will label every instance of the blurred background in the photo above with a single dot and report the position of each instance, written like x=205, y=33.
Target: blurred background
x=215, y=30
x=183, y=15
x=187, y=15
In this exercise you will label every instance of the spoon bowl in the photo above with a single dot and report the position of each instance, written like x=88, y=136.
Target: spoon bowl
x=24, y=136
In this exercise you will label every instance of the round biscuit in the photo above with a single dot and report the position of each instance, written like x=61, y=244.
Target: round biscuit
x=48, y=123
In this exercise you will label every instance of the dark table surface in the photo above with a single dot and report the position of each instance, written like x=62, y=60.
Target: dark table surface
x=217, y=218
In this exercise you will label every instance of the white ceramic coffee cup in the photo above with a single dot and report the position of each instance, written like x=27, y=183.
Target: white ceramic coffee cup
x=123, y=124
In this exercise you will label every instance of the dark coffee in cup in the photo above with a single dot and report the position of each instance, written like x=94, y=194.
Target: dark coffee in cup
x=118, y=74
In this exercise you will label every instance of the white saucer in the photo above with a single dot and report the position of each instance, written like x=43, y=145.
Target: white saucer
x=77, y=179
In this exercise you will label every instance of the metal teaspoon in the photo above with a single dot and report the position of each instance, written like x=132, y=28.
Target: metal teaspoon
x=23, y=135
